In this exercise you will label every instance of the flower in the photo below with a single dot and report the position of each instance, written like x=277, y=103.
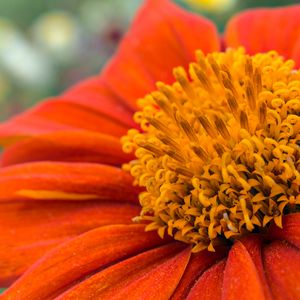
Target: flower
x=66, y=205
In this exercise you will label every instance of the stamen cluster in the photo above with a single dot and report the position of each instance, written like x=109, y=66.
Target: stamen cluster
x=219, y=150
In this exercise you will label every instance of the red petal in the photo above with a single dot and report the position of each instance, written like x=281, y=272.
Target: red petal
x=282, y=265
x=209, y=286
x=94, y=94
x=99, y=104
x=65, y=181
x=241, y=278
x=296, y=52
x=79, y=257
x=290, y=230
x=254, y=29
x=29, y=229
x=161, y=37
x=196, y=266
x=150, y=275
x=253, y=244
x=53, y=115
x=73, y=146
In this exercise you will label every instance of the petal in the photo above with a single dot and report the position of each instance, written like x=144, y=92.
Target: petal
x=105, y=104
x=296, y=52
x=253, y=244
x=93, y=93
x=53, y=115
x=264, y=29
x=282, y=265
x=196, y=266
x=79, y=257
x=290, y=230
x=135, y=278
x=209, y=286
x=29, y=229
x=65, y=181
x=241, y=278
x=161, y=37
x=68, y=146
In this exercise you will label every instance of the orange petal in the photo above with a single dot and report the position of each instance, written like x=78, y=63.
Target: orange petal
x=29, y=229
x=282, y=265
x=93, y=93
x=253, y=244
x=105, y=104
x=209, y=286
x=196, y=266
x=150, y=275
x=290, y=230
x=79, y=257
x=68, y=146
x=254, y=29
x=162, y=36
x=241, y=278
x=65, y=181
x=53, y=115
x=296, y=52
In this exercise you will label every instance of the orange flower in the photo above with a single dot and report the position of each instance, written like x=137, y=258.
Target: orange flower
x=218, y=154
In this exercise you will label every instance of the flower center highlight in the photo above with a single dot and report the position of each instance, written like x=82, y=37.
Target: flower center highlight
x=219, y=150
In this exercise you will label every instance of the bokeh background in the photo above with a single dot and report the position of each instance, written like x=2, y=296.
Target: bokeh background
x=45, y=46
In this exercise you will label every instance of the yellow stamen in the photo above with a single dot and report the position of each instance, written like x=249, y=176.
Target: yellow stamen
x=219, y=150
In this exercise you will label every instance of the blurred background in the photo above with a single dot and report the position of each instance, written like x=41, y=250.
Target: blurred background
x=45, y=46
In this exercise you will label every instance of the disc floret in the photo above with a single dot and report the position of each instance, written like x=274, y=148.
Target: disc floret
x=219, y=150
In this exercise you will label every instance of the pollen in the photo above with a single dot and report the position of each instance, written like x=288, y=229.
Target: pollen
x=218, y=152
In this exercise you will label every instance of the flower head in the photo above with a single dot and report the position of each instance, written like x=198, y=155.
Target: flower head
x=216, y=156
x=219, y=152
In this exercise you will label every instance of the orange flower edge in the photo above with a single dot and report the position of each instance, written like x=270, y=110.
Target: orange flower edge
x=84, y=260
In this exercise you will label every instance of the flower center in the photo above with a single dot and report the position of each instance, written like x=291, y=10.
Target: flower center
x=219, y=150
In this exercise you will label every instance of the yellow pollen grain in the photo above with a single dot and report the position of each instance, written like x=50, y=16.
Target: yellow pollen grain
x=219, y=150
